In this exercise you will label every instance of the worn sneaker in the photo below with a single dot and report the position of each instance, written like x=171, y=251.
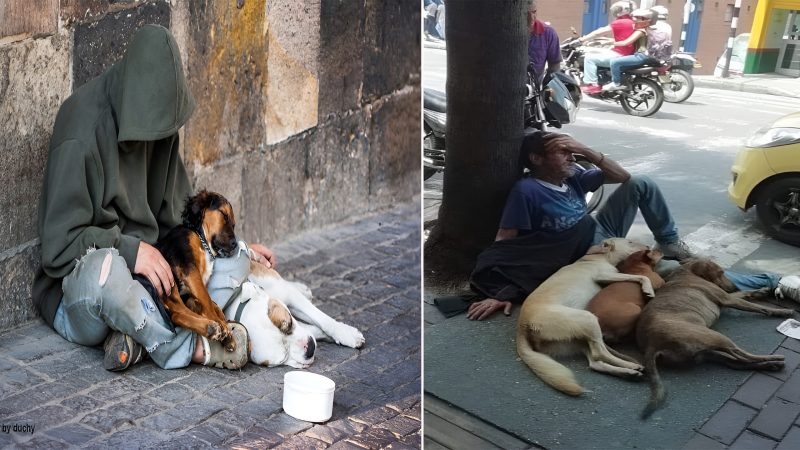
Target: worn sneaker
x=121, y=352
x=789, y=288
x=217, y=356
x=675, y=250
x=590, y=89
x=613, y=87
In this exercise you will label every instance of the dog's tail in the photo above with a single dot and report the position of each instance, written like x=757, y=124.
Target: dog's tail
x=549, y=370
x=657, y=393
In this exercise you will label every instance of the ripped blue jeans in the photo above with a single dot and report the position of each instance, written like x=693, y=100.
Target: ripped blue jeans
x=100, y=295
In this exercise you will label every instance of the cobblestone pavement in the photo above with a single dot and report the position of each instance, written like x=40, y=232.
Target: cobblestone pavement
x=366, y=272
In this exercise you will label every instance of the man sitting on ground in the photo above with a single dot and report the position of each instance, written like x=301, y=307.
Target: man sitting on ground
x=545, y=224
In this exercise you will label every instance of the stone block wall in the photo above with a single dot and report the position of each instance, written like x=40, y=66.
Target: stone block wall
x=308, y=111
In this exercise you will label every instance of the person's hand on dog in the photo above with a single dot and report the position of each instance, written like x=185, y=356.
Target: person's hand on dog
x=152, y=265
x=485, y=308
x=264, y=255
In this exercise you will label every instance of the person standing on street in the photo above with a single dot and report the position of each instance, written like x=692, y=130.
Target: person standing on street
x=544, y=49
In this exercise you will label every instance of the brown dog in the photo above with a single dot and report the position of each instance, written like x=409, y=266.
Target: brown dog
x=619, y=304
x=674, y=325
x=207, y=232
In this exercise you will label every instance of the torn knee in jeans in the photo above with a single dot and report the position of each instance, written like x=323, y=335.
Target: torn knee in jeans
x=105, y=269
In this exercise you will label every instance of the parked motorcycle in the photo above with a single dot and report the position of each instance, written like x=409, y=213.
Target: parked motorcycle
x=643, y=95
x=552, y=106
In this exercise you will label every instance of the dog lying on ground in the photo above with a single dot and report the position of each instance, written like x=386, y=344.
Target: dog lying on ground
x=207, y=232
x=269, y=307
x=555, y=314
x=674, y=326
x=618, y=305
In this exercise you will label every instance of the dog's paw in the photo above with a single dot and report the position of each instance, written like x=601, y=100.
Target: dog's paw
x=214, y=331
x=348, y=336
x=648, y=291
x=782, y=312
x=229, y=343
x=758, y=294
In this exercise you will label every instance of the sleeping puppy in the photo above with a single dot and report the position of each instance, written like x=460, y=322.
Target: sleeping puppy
x=618, y=305
x=190, y=249
x=674, y=325
x=282, y=323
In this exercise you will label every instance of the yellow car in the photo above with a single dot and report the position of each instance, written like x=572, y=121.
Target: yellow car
x=766, y=174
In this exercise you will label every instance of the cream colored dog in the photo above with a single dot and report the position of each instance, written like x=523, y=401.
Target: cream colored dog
x=553, y=318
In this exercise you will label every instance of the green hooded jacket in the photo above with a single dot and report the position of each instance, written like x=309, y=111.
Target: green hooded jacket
x=114, y=176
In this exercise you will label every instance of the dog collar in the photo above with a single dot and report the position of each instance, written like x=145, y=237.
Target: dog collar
x=204, y=243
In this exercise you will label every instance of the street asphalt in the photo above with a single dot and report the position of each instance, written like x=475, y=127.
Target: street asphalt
x=364, y=272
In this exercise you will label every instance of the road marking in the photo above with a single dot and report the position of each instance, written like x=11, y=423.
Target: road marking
x=726, y=243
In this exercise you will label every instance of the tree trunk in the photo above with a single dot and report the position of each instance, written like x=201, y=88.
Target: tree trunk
x=486, y=75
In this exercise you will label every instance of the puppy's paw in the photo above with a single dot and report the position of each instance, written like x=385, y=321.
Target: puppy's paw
x=348, y=336
x=229, y=343
x=214, y=331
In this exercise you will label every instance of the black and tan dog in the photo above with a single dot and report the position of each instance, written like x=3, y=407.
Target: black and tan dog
x=674, y=326
x=207, y=232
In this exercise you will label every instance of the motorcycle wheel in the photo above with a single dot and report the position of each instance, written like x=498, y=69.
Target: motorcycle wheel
x=777, y=207
x=679, y=88
x=644, y=98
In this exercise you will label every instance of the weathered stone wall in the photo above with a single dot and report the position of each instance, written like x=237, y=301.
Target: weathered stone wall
x=308, y=111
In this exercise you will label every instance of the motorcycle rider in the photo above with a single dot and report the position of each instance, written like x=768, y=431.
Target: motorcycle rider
x=642, y=19
x=659, y=35
x=622, y=27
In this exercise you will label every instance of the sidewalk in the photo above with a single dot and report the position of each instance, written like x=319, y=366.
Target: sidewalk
x=364, y=272
x=764, y=83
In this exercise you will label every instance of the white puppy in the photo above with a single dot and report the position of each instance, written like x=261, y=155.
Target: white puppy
x=282, y=322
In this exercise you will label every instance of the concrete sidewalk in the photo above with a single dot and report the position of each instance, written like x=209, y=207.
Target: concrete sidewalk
x=365, y=272
x=764, y=83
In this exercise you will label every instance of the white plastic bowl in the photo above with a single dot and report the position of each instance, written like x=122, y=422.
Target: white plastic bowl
x=308, y=396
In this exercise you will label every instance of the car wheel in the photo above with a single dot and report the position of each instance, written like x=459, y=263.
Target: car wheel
x=778, y=209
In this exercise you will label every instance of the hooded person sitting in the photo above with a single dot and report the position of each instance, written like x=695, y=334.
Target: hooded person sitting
x=113, y=185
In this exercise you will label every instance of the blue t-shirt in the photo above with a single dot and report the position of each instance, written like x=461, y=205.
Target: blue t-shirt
x=533, y=206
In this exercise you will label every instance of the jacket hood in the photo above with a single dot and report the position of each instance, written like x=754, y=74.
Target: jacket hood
x=155, y=100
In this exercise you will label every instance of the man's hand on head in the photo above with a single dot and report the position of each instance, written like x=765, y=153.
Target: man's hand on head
x=264, y=255
x=560, y=142
x=485, y=308
x=152, y=265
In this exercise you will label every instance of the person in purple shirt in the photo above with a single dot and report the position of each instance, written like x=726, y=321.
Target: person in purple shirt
x=544, y=48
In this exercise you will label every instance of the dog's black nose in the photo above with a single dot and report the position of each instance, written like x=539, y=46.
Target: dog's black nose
x=311, y=347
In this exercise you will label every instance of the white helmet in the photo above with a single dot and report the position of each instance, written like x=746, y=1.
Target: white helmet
x=662, y=11
x=647, y=14
x=620, y=9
